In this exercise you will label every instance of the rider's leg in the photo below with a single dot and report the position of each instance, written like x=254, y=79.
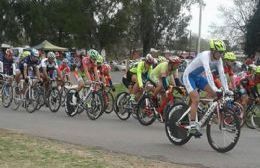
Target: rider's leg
x=195, y=97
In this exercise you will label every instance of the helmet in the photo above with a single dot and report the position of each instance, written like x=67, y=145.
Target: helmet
x=149, y=58
x=106, y=68
x=161, y=59
x=93, y=54
x=51, y=55
x=65, y=61
x=230, y=56
x=217, y=45
x=174, y=60
x=100, y=59
x=257, y=70
x=35, y=52
x=9, y=51
x=25, y=54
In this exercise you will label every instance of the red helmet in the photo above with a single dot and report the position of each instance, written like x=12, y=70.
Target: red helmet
x=106, y=68
x=174, y=60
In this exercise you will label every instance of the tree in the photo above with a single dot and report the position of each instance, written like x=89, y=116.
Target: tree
x=235, y=21
x=253, y=33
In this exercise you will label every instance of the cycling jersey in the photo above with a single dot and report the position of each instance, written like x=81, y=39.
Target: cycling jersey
x=8, y=66
x=64, y=69
x=140, y=70
x=87, y=62
x=160, y=71
x=29, y=63
x=51, y=68
x=192, y=76
x=228, y=70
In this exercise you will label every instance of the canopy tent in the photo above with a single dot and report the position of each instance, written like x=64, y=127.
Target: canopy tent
x=46, y=45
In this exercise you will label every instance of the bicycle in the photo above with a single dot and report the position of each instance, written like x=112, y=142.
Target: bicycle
x=27, y=95
x=217, y=117
x=252, y=118
x=7, y=90
x=148, y=110
x=90, y=101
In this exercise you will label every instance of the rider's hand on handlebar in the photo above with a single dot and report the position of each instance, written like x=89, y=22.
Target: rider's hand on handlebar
x=229, y=92
x=219, y=93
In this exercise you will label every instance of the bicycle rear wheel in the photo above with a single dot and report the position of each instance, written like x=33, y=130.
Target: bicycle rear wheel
x=108, y=102
x=71, y=108
x=121, y=106
x=223, y=131
x=176, y=132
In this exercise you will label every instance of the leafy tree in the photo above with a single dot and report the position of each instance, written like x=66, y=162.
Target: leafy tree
x=253, y=33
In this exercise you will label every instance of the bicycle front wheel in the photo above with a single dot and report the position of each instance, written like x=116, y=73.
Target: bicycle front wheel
x=54, y=100
x=93, y=106
x=223, y=131
x=254, y=117
x=31, y=99
x=7, y=95
x=145, y=111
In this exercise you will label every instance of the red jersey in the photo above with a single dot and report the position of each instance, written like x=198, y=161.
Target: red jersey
x=228, y=70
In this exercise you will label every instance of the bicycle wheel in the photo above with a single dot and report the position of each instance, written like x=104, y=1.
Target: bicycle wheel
x=54, y=100
x=239, y=111
x=145, y=111
x=109, y=101
x=176, y=132
x=17, y=100
x=121, y=106
x=223, y=131
x=7, y=95
x=71, y=108
x=41, y=100
x=63, y=93
x=93, y=105
x=254, y=117
x=31, y=99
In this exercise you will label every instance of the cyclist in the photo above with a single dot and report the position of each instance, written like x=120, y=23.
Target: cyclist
x=104, y=72
x=64, y=70
x=90, y=66
x=8, y=62
x=192, y=78
x=31, y=61
x=50, y=67
x=137, y=74
x=164, y=75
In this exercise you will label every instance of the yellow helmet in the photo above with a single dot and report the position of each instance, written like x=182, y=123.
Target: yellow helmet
x=230, y=56
x=257, y=70
x=217, y=45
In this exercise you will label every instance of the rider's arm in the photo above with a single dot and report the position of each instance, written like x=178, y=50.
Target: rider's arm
x=140, y=68
x=208, y=73
x=96, y=73
x=25, y=71
x=37, y=72
x=222, y=74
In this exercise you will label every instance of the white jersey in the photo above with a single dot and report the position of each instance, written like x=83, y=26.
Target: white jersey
x=200, y=65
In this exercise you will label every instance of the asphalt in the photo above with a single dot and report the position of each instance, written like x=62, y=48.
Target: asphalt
x=110, y=133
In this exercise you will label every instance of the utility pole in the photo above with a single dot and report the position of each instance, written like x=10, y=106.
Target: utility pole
x=201, y=4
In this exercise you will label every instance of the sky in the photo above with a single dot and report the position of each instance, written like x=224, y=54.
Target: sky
x=210, y=14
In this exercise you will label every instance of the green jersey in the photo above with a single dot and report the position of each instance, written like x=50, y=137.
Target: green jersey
x=139, y=69
x=160, y=71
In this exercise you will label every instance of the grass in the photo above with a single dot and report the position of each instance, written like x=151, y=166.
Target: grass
x=24, y=151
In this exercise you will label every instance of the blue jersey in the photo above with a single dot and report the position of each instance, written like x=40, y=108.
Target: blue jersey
x=29, y=63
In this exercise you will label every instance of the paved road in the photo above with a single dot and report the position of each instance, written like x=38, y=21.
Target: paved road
x=117, y=76
x=109, y=133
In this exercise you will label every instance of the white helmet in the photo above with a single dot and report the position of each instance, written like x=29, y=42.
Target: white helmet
x=51, y=55
x=149, y=58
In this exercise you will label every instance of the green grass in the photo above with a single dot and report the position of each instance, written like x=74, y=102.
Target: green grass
x=23, y=151
x=119, y=88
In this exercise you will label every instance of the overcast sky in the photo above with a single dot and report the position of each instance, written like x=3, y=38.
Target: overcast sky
x=210, y=15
